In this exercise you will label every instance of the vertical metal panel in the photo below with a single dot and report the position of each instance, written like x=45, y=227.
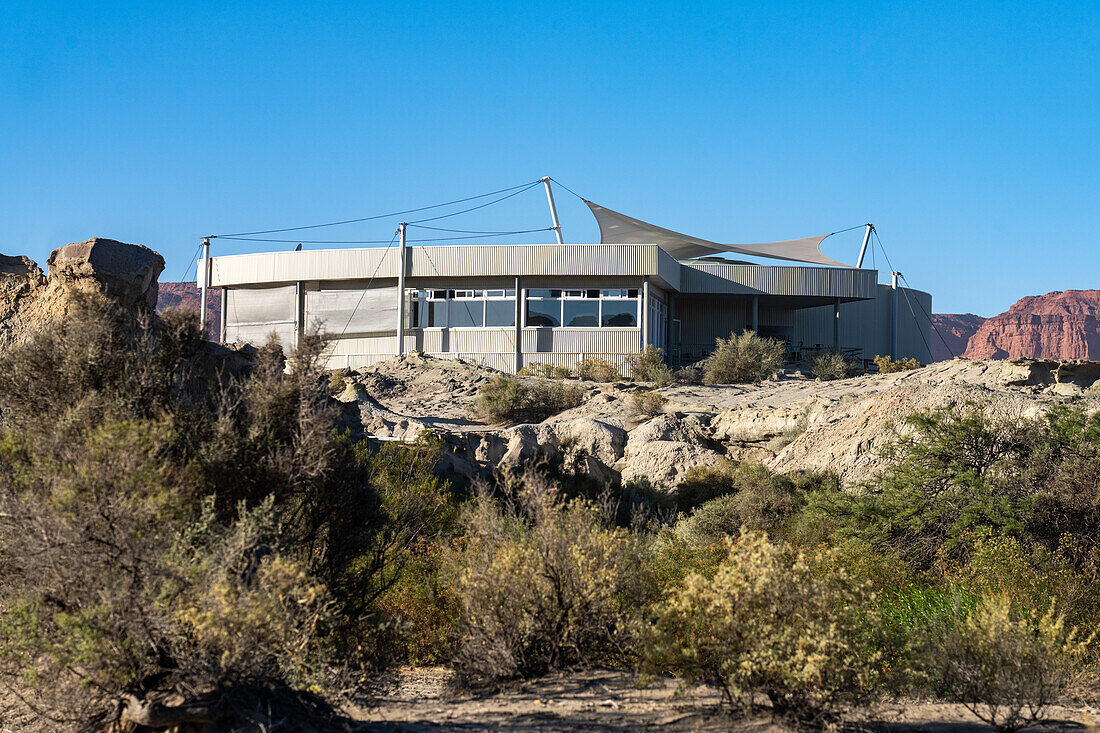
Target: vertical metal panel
x=350, y=308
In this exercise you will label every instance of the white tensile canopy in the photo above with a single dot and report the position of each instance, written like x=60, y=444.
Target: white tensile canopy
x=616, y=228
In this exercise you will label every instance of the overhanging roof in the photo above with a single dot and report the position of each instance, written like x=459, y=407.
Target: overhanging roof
x=616, y=228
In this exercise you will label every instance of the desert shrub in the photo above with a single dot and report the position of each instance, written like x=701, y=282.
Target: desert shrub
x=830, y=365
x=744, y=357
x=646, y=402
x=736, y=631
x=507, y=399
x=1006, y=665
x=596, y=369
x=887, y=365
x=542, y=583
x=648, y=365
x=541, y=369
x=173, y=528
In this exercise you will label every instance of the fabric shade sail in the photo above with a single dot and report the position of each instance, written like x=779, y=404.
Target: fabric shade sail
x=616, y=228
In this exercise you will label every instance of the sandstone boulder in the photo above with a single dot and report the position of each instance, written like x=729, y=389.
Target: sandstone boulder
x=124, y=272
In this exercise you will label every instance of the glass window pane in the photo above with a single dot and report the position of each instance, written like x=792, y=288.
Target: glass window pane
x=543, y=312
x=592, y=293
x=632, y=293
x=536, y=293
x=500, y=313
x=620, y=313
x=464, y=313
x=581, y=313
x=439, y=294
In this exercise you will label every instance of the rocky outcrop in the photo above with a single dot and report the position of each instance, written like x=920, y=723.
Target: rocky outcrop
x=789, y=424
x=186, y=296
x=1059, y=325
x=951, y=332
x=125, y=273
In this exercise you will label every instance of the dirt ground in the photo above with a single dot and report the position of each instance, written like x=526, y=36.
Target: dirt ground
x=418, y=700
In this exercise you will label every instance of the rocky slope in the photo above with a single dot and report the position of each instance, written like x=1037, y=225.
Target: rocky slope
x=951, y=332
x=126, y=273
x=1058, y=325
x=186, y=296
x=788, y=424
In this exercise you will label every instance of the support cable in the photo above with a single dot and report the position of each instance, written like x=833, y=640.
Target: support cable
x=480, y=206
x=909, y=304
x=366, y=288
x=383, y=216
x=380, y=241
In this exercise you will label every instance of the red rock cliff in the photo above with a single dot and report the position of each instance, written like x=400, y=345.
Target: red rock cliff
x=1058, y=325
x=951, y=332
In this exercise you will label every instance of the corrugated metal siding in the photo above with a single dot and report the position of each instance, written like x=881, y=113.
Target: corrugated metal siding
x=447, y=261
x=830, y=282
x=865, y=325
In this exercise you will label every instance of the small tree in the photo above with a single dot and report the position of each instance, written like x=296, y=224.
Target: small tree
x=744, y=357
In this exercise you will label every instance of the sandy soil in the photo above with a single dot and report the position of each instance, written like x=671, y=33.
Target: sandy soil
x=609, y=701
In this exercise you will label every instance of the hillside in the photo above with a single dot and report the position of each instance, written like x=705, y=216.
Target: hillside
x=951, y=332
x=1058, y=325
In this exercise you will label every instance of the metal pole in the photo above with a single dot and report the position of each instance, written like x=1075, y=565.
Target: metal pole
x=645, y=311
x=756, y=314
x=836, y=325
x=518, y=326
x=863, y=247
x=205, y=283
x=553, y=209
x=894, y=321
x=401, y=292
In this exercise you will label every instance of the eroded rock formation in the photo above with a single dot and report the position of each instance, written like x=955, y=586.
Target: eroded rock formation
x=126, y=273
x=1058, y=325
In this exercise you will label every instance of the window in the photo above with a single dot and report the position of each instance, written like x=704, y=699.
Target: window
x=463, y=308
x=583, y=308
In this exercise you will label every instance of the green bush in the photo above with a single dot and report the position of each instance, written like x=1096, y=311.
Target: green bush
x=596, y=369
x=648, y=403
x=887, y=365
x=744, y=357
x=773, y=622
x=648, y=365
x=830, y=365
x=1007, y=666
x=761, y=501
x=507, y=399
x=543, y=584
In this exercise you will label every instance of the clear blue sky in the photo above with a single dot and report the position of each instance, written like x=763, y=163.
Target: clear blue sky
x=967, y=132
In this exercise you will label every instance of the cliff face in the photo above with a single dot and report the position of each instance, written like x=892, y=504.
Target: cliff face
x=951, y=332
x=186, y=296
x=1058, y=325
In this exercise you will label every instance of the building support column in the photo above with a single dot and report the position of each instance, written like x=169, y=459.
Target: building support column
x=668, y=324
x=224, y=312
x=299, y=312
x=401, y=292
x=645, y=311
x=894, y=316
x=836, y=324
x=756, y=314
x=519, y=324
